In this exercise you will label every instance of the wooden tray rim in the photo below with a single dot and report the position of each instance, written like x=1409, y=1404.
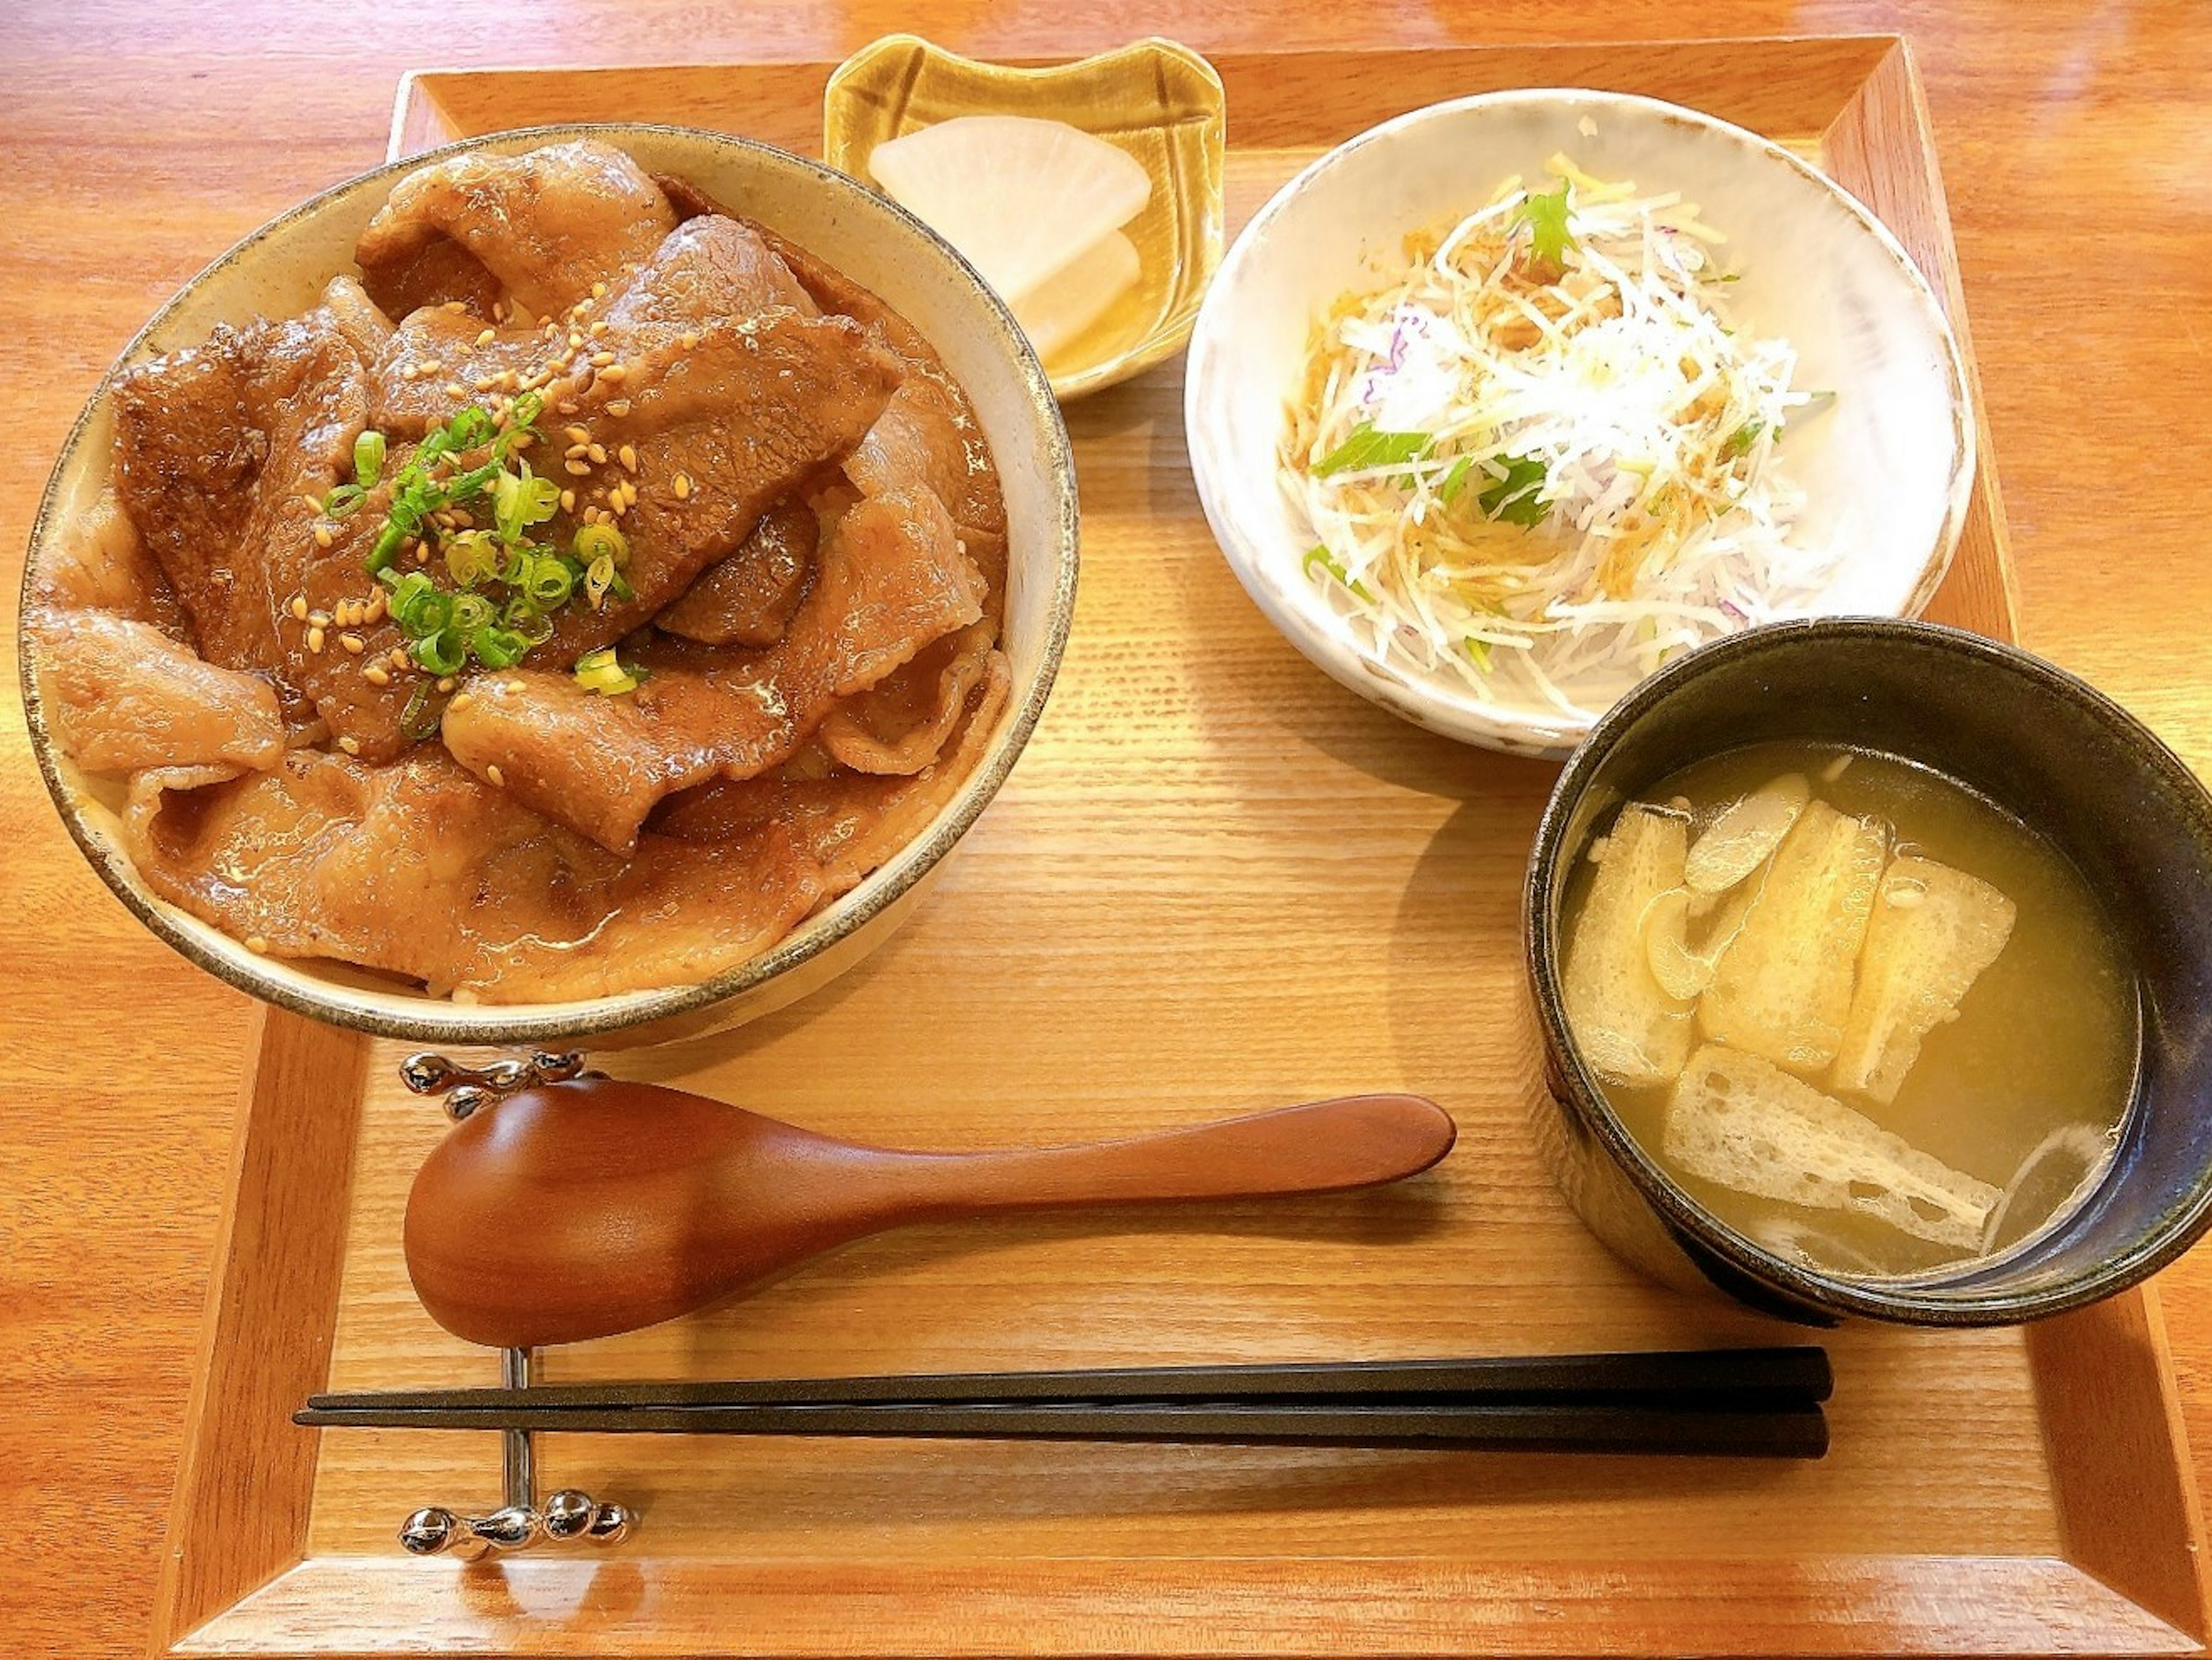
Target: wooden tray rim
x=233, y=1579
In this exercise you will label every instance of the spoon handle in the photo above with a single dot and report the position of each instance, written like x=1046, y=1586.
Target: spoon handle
x=1321, y=1147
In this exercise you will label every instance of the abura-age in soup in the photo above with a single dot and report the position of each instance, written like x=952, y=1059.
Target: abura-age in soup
x=1862, y=1015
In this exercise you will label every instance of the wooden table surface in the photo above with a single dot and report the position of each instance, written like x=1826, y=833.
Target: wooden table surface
x=140, y=139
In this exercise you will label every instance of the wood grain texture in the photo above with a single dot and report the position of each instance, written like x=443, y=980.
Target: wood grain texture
x=189, y=123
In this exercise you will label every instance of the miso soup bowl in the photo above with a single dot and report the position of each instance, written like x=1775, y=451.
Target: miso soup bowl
x=2048, y=748
x=281, y=269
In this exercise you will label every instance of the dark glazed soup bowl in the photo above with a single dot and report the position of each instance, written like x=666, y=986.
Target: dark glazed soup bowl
x=2051, y=749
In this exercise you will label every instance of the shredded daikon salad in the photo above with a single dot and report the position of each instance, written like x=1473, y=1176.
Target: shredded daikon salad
x=1544, y=461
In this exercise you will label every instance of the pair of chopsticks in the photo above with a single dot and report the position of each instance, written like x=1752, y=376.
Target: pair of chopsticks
x=1758, y=1403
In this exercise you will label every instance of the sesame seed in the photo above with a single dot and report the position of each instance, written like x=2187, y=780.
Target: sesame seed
x=523, y=440
x=321, y=619
x=598, y=454
x=578, y=468
x=499, y=310
x=618, y=408
x=350, y=746
x=621, y=506
x=483, y=383
x=353, y=643
x=552, y=330
x=461, y=701
x=408, y=372
x=682, y=485
x=313, y=505
x=446, y=682
x=431, y=366
x=486, y=336
x=300, y=607
x=581, y=447
x=314, y=639
x=601, y=359
x=498, y=778
x=599, y=329
x=599, y=290
x=566, y=406
x=457, y=307
x=577, y=434
x=583, y=304
x=455, y=389
x=323, y=535
x=421, y=555
x=258, y=943
x=373, y=611
x=377, y=675
x=691, y=342
x=397, y=657
x=614, y=372
x=575, y=341
x=515, y=685
x=509, y=381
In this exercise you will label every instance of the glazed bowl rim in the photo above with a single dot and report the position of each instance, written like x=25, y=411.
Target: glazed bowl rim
x=1584, y=1103
x=440, y=1020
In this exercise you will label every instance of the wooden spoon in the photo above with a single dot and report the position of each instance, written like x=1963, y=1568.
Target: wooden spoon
x=577, y=1210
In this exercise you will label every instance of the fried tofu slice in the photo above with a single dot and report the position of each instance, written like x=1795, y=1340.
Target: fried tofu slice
x=1933, y=932
x=1743, y=1123
x=1628, y=1027
x=1783, y=989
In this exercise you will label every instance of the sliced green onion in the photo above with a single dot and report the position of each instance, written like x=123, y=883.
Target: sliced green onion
x=387, y=549
x=598, y=672
x=548, y=583
x=344, y=502
x=595, y=541
x=369, y=459
x=527, y=621
x=421, y=719
x=496, y=648
x=442, y=653
x=470, y=611
x=598, y=577
x=472, y=557
x=424, y=613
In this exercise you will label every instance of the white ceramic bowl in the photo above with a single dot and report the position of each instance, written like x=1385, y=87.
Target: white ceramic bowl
x=1887, y=468
x=281, y=269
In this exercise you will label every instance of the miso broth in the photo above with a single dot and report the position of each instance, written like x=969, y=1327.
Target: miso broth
x=1762, y=1038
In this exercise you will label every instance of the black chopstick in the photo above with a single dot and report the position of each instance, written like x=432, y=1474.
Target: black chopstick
x=1746, y=1402
x=1795, y=1432
x=1745, y=1378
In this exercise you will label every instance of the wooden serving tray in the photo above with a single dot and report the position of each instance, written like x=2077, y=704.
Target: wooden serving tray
x=1217, y=882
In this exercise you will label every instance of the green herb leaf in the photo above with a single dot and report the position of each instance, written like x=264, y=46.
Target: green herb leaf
x=1327, y=561
x=1740, y=441
x=1456, y=480
x=1366, y=447
x=1546, y=216
x=1513, y=496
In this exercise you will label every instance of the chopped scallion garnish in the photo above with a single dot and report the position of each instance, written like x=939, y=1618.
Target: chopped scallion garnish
x=369, y=459
x=599, y=671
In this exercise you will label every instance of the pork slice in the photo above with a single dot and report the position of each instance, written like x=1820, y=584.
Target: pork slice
x=546, y=225
x=892, y=580
x=433, y=351
x=708, y=270
x=749, y=598
x=927, y=437
x=899, y=725
x=720, y=431
x=419, y=871
x=123, y=696
x=101, y=562
x=846, y=823
x=358, y=318
x=218, y=449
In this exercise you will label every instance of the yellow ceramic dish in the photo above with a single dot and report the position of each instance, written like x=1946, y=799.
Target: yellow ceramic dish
x=1159, y=102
